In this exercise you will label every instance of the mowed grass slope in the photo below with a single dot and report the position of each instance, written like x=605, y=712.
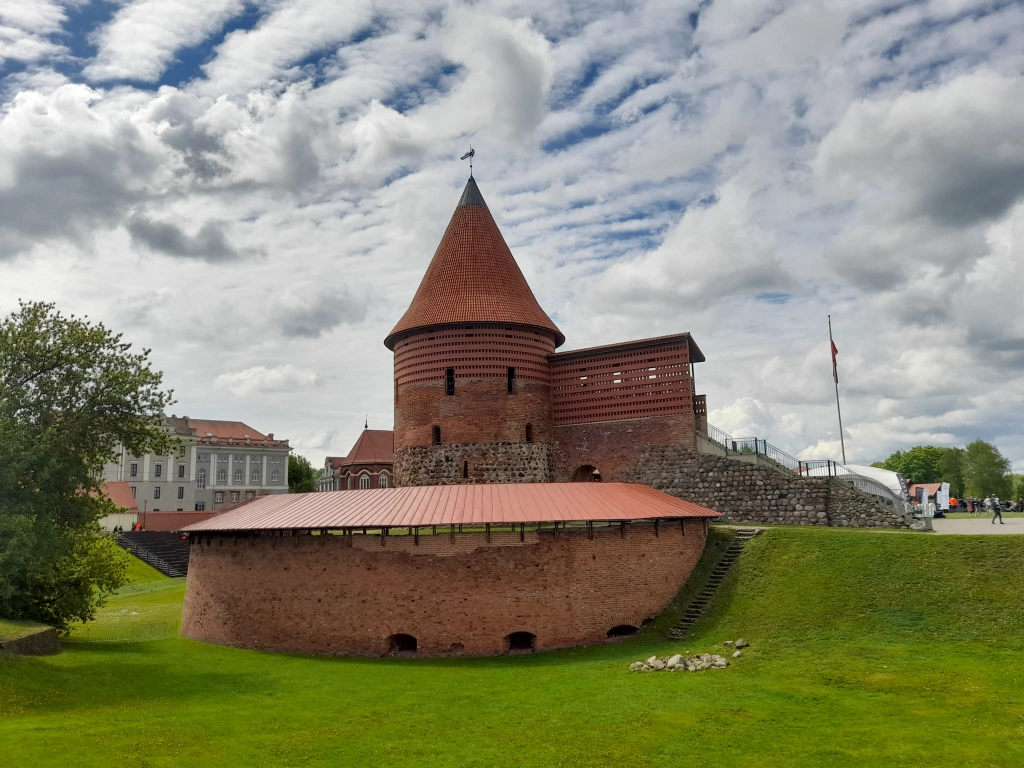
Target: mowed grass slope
x=868, y=648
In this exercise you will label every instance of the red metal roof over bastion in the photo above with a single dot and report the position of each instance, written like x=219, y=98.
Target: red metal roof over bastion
x=473, y=278
x=417, y=506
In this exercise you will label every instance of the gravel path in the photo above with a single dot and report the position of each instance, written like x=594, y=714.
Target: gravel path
x=981, y=525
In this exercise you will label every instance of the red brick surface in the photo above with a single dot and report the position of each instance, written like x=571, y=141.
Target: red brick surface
x=314, y=594
x=613, y=447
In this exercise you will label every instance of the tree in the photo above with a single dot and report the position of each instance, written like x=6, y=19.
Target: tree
x=951, y=470
x=301, y=475
x=70, y=392
x=920, y=464
x=986, y=471
x=1018, y=486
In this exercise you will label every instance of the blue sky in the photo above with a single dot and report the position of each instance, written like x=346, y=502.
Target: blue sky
x=253, y=189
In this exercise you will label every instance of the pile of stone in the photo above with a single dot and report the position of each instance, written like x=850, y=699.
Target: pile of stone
x=698, y=663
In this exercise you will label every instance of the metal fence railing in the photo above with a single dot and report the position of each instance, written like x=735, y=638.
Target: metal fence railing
x=816, y=468
x=123, y=633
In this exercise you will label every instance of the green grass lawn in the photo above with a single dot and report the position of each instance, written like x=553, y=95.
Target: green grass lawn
x=12, y=630
x=141, y=573
x=868, y=649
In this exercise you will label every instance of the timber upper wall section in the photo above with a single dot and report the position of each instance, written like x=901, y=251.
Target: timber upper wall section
x=317, y=594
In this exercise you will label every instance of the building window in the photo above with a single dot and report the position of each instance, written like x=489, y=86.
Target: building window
x=200, y=506
x=158, y=470
x=275, y=476
x=223, y=459
x=465, y=469
x=240, y=459
x=248, y=495
x=449, y=381
x=382, y=480
x=201, y=479
x=364, y=481
x=511, y=380
x=238, y=475
x=255, y=460
x=133, y=491
x=222, y=475
x=133, y=470
x=255, y=475
x=529, y=433
x=181, y=470
x=181, y=491
x=234, y=496
x=435, y=435
x=156, y=492
x=218, y=497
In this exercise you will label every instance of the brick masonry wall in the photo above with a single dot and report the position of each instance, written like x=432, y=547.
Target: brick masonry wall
x=480, y=411
x=614, y=447
x=348, y=595
x=747, y=493
x=484, y=462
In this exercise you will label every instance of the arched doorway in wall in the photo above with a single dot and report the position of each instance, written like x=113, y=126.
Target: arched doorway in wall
x=521, y=642
x=401, y=645
x=587, y=474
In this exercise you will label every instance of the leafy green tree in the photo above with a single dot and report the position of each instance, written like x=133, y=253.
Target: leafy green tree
x=951, y=470
x=301, y=475
x=921, y=464
x=1018, y=486
x=986, y=471
x=71, y=392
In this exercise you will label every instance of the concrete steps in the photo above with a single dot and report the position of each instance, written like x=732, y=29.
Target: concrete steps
x=696, y=608
x=166, y=551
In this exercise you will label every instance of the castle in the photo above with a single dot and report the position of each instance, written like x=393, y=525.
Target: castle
x=482, y=396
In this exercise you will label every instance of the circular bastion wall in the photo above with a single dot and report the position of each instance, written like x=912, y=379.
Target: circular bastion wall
x=466, y=593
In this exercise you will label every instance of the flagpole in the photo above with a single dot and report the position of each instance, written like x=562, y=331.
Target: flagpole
x=835, y=378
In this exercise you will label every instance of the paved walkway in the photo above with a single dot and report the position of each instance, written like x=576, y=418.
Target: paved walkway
x=981, y=525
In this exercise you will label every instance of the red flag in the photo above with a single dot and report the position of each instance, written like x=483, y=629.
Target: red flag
x=835, y=370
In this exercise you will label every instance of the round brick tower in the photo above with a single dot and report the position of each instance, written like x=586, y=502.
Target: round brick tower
x=472, y=385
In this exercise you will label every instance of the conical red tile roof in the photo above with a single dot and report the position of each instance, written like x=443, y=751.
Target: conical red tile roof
x=473, y=278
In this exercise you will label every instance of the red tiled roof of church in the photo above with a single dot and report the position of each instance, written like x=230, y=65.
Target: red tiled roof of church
x=473, y=277
x=374, y=446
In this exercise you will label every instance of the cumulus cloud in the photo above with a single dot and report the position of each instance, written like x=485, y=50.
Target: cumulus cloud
x=953, y=154
x=26, y=27
x=306, y=311
x=737, y=169
x=144, y=35
x=715, y=251
x=68, y=164
x=209, y=243
x=260, y=379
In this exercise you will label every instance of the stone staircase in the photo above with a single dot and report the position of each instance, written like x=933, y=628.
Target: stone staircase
x=696, y=609
x=166, y=551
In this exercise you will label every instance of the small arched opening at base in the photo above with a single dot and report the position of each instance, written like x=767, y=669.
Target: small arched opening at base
x=521, y=642
x=622, y=630
x=587, y=474
x=401, y=644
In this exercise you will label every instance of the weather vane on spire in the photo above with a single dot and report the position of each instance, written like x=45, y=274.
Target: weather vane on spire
x=470, y=155
x=366, y=422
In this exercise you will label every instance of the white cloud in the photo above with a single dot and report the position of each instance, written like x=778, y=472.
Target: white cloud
x=260, y=379
x=740, y=180
x=142, y=38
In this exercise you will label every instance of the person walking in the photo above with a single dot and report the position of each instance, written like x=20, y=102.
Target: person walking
x=997, y=511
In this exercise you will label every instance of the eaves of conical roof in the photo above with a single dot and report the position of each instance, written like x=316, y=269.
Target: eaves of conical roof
x=473, y=278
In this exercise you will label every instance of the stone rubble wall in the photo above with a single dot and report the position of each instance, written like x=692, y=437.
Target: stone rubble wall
x=485, y=462
x=749, y=493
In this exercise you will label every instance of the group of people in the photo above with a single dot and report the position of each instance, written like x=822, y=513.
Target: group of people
x=120, y=528
x=992, y=505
